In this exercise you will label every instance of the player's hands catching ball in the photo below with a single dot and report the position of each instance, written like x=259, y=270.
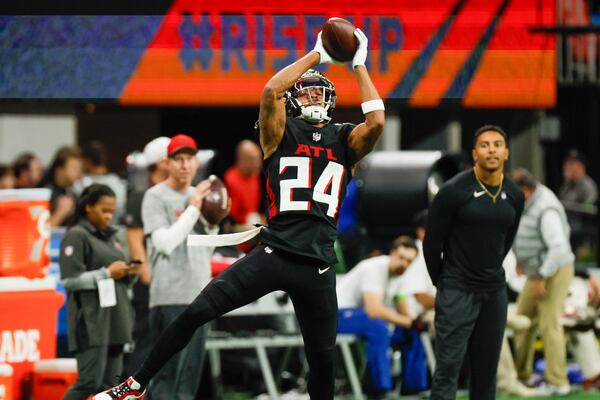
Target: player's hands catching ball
x=360, y=57
x=325, y=57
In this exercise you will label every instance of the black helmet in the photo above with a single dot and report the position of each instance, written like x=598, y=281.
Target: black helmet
x=312, y=113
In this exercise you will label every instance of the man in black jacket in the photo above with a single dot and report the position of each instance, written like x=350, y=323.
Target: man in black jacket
x=471, y=226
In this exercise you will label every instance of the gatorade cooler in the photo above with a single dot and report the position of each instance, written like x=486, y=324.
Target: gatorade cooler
x=6, y=372
x=24, y=232
x=28, y=312
x=52, y=378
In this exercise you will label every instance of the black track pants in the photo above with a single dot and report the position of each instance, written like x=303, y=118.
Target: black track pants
x=471, y=324
x=311, y=288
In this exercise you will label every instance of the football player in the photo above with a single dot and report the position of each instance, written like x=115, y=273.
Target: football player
x=307, y=161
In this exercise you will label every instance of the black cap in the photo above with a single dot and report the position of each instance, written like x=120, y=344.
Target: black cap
x=420, y=219
x=575, y=154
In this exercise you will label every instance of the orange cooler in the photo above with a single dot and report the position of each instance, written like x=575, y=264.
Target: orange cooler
x=28, y=316
x=6, y=372
x=52, y=378
x=24, y=232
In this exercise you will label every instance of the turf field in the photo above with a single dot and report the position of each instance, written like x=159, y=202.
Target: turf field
x=574, y=396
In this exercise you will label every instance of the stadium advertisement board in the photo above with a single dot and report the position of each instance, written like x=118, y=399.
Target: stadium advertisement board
x=478, y=53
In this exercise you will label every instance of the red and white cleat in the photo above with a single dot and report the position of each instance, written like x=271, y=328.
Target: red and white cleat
x=128, y=390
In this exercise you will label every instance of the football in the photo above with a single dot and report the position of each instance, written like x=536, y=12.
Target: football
x=338, y=39
x=214, y=205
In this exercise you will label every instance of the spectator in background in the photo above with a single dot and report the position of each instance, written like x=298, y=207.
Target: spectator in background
x=362, y=295
x=544, y=254
x=99, y=321
x=64, y=171
x=244, y=186
x=7, y=179
x=579, y=194
x=155, y=154
x=578, y=189
x=170, y=212
x=28, y=171
x=95, y=169
x=584, y=295
x=416, y=283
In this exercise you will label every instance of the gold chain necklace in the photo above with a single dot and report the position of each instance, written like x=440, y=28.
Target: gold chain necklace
x=485, y=189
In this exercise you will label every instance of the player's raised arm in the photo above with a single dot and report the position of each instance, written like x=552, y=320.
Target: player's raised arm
x=363, y=137
x=271, y=118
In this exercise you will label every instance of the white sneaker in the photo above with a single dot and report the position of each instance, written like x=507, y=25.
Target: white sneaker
x=533, y=381
x=552, y=390
x=516, y=388
x=128, y=390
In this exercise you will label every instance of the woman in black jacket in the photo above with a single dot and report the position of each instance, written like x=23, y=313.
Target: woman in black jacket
x=96, y=276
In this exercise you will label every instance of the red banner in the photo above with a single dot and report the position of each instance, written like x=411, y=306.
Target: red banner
x=477, y=52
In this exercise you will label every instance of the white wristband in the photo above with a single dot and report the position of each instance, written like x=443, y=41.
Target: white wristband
x=372, y=105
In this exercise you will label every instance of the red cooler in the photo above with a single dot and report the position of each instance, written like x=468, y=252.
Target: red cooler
x=29, y=310
x=52, y=378
x=24, y=232
x=6, y=372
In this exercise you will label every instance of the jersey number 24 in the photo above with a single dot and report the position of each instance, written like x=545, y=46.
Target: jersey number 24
x=326, y=190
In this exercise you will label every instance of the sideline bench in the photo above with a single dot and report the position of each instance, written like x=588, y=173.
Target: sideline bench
x=268, y=305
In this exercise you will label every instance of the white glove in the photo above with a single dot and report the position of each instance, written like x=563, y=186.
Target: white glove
x=325, y=57
x=360, y=57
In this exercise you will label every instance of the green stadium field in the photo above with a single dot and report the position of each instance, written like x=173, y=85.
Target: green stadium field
x=576, y=395
x=573, y=396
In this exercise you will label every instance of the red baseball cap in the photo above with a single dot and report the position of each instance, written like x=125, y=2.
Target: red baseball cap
x=181, y=143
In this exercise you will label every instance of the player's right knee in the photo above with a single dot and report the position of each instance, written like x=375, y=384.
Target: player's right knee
x=222, y=294
x=200, y=311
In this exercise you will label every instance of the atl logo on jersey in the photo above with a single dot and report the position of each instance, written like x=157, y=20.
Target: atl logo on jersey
x=315, y=151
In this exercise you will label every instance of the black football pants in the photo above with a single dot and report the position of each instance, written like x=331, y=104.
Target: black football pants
x=471, y=324
x=263, y=270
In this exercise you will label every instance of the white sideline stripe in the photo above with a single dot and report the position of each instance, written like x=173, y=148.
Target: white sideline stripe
x=19, y=284
x=228, y=239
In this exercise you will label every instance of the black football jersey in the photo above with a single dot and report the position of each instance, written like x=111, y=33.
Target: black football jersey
x=306, y=181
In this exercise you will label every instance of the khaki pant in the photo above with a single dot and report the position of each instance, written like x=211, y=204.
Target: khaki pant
x=545, y=314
